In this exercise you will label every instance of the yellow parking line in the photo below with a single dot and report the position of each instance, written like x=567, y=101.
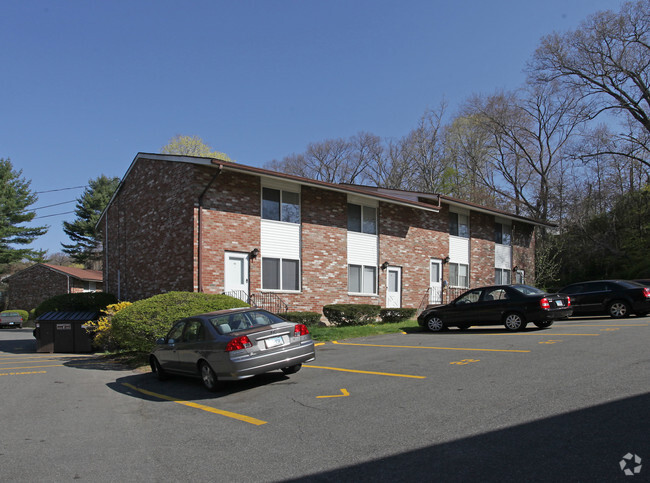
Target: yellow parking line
x=609, y=325
x=433, y=348
x=240, y=417
x=365, y=372
x=32, y=367
x=21, y=373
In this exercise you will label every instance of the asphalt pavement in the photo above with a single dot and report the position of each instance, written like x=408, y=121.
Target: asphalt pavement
x=568, y=403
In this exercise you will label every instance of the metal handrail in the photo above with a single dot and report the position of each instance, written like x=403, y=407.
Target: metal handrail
x=269, y=301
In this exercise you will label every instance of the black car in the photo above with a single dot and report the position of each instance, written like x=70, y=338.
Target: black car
x=616, y=298
x=511, y=305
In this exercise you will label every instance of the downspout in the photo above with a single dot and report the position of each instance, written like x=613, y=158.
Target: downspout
x=199, y=250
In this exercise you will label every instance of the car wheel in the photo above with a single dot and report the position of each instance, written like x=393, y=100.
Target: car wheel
x=156, y=368
x=208, y=377
x=435, y=324
x=544, y=324
x=463, y=326
x=513, y=322
x=619, y=309
x=291, y=369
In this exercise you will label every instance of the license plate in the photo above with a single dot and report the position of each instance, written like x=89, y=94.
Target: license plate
x=273, y=342
x=559, y=303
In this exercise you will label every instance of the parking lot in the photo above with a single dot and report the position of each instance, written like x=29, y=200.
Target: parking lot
x=564, y=403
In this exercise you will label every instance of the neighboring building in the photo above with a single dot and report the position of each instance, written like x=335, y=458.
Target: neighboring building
x=179, y=223
x=31, y=286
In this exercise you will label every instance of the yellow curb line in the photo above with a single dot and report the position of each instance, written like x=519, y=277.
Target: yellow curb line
x=240, y=417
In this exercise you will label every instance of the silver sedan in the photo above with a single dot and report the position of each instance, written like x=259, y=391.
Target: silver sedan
x=230, y=345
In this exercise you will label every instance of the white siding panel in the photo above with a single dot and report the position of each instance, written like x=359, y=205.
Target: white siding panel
x=280, y=240
x=502, y=256
x=459, y=249
x=362, y=249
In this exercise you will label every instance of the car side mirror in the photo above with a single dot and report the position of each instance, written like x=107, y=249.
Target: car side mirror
x=160, y=341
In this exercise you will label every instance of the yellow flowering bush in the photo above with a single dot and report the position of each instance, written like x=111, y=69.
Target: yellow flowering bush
x=101, y=329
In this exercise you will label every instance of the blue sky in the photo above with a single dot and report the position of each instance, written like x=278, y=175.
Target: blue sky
x=85, y=85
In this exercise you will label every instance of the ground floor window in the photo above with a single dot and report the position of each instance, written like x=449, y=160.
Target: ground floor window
x=280, y=274
x=502, y=276
x=459, y=275
x=362, y=279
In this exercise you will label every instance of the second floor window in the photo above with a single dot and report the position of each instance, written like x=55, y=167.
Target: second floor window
x=362, y=219
x=458, y=225
x=502, y=234
x=280, y=205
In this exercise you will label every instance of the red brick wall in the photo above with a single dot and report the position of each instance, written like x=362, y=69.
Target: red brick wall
x=481, y=244
x=153, y=238
x=410, y=238
x=230, y=222
x=149, y=241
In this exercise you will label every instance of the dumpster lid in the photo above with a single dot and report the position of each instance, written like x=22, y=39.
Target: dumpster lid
x=69, y=315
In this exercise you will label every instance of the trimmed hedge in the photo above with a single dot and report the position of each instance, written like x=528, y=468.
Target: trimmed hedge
x=351, y=314
x=307, y=318
x=394, y=315
x=23, y=313
x=90, y=301
x=136, y=327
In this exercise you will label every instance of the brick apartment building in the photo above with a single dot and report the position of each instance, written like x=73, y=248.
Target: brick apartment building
x=33, y=285
x=179, y=223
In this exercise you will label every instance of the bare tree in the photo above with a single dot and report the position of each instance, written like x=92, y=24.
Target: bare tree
x=530, y=132
x=607, y=59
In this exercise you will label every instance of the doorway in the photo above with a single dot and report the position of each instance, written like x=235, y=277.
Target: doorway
x=393, y=287
x=236, y=276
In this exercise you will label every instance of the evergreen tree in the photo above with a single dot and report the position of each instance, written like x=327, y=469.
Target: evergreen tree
x=15, y=197
x=85, y=248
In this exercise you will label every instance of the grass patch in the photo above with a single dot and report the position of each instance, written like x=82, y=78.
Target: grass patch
x=324, y=334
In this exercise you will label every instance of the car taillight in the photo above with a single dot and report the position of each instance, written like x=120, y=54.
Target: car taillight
x=646, y=292
x=568, y=301
x=239, y=343
x=300, y=329
x=544, y=303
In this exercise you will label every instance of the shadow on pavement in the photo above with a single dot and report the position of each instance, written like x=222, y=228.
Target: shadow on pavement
x=584, y=445
x=189, y=389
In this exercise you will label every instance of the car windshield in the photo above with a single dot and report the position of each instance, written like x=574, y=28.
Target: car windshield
x=528, y=290
x=226, y=323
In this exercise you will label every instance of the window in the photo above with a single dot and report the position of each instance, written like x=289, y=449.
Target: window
x=280, y=274
x=458, y=225
x=470, y=297
x=502, y=234
x=280, y=205
x=502, y=276
x=362, y=279
x=458, y=275
x=193, y=331
x=362, y=219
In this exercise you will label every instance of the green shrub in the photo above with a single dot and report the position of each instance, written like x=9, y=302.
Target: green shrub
x=391, y=316
x=351, y=314
x=23, y=313
x=307, y=318
x=90, y=301
x=136, y=327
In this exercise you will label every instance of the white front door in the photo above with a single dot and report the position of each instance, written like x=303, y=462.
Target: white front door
x=236, y=275
x=393, y=287
x=435, y=283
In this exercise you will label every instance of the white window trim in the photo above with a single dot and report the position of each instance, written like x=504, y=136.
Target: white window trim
x=295, y=189
x=364, y=294
x=449, y=273
x=281, y=290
